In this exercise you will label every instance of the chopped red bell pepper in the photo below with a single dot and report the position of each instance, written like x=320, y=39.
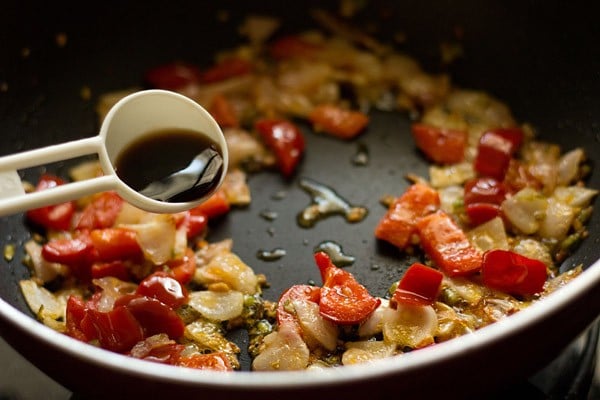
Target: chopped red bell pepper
x=153, y=315
x=173, y=76
x=213, y=207
x=513, y=273
x=338, y=121
x=482, y=199
x=114, y=244
x=161, y=286
x=75, y=251
x=443, y=146
x=183, y=269
x=484, y=190
x=447, y=245
x=479, y=213
x=74, y=314
x=285, y=139
x=343, y=300
x=227, y=68
x=293, y=47
x=420, y=285
x=397, y=226
x=223, y=112
x=116, y=269
x=57, y=217
x=116, y=330
x=102, y=212
x=495, y=150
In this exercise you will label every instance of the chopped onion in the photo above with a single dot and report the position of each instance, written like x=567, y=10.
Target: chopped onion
x=314, y=326
x=489, y=235
x=236, y=188
x=242, y=146
x=157, y=238
x=43, y=270
x=48, y=308
x=131, y=215
x=568, y=166
x=447, y=175
x=575, y=196
x=450, y=196
x=228, y=268
x=208, y=335
x=558, y=220
x=373, y=325
x=258, y=28
x=284, y=351
x=217, y=306
x=112, y=289
x=410, y=325
x=368, y=350
x=533, y=249
x=525, y=209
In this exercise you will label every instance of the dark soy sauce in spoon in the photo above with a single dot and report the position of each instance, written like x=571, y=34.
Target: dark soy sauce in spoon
x=171, y=165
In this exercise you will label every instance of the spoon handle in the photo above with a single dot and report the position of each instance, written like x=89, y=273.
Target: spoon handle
x=59, y=194
x=49, y=154
x=13, y=198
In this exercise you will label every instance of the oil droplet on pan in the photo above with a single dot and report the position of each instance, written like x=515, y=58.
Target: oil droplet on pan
x=271, y=255
x=326, y=202
x=335, y=253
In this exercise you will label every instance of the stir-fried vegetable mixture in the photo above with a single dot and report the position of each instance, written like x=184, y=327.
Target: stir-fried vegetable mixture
x=497, y=213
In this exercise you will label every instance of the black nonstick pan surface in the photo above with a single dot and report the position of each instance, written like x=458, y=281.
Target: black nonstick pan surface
x=541, y=58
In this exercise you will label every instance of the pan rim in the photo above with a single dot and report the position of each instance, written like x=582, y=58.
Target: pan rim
x=587, y=281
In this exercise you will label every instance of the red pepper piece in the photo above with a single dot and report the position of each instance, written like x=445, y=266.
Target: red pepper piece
x=495, y=150
x=484, y=190
x=420, y=285
x=57, y=217
x=75, y=312
x=114, y=244
x=443, y=146
x=343, y=300
x=223, y=112
x=163, y=287
x=225, y=69
x=102, y=212
x=447, y=245
x=513, y=273
x=398, y=225
x=117, y=330
x=153, y=315
x=293, y=47
x=183, y=269
x=338, y=121
x=173, y=76
x=215, y=206
x=285, y=139
x=479, y=213
x=117, y=269
x=71, y=252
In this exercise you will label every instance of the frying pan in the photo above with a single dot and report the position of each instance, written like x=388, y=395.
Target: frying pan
x=541, y=58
